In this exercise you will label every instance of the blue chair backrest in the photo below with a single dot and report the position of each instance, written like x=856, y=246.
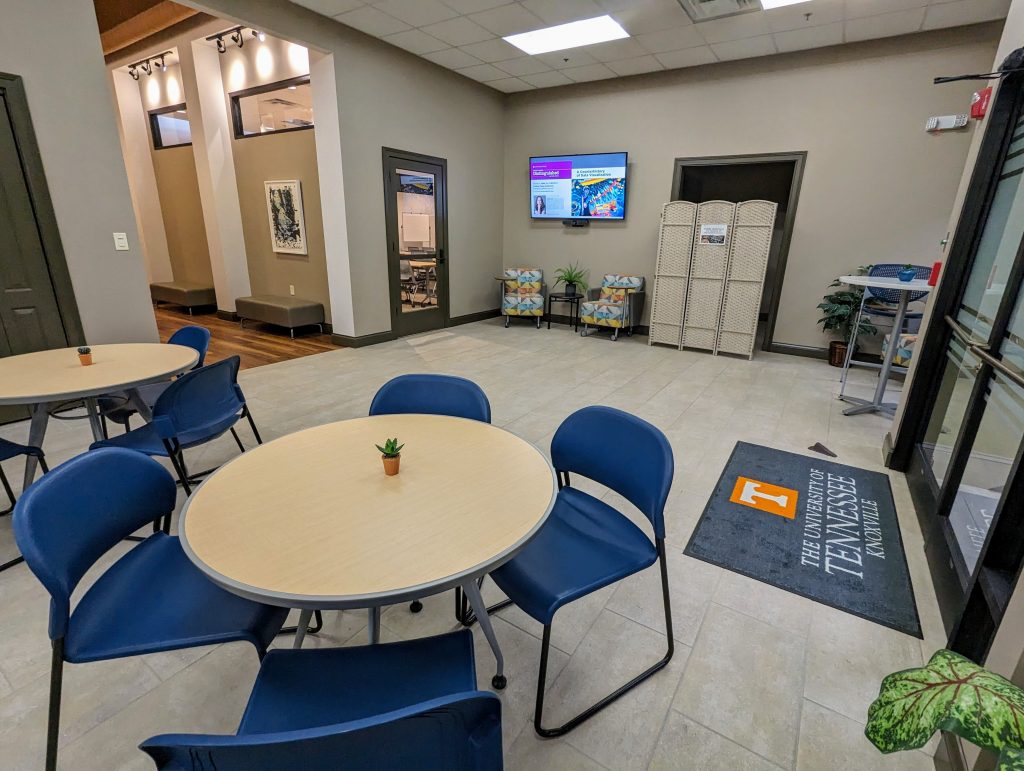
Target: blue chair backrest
x=621, y=452
x=892, y=270
x=193, y=337
x=76, y=513
x=205, y=398
x=448, y=734
x=432, y=395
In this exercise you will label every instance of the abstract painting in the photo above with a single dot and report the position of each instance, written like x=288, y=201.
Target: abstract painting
x=284, y=207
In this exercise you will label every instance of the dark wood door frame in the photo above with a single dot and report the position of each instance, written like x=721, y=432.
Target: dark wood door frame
x=13, y=89
x=391, y=226
x=799, y=160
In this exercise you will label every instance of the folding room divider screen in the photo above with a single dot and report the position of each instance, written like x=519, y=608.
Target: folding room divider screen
x=710, y=273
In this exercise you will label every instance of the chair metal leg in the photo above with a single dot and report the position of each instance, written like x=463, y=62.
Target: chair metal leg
x=9, y=491
x=178, y=461
x=252, y=424
x=53, y=721
x=463, y=610
x=318, y=624
x=238, y=441
x=374, y=624
x=589, y=712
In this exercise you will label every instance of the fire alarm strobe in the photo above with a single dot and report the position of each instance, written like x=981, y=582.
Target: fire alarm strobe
x=946, y=122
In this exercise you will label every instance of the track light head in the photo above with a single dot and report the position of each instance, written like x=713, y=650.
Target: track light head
x=221, y=48
x=146, y=67
x=133, y=72
x=237, y=37
x=260, y=35
x=163, y=63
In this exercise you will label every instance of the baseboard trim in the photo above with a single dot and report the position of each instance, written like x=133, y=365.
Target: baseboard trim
x=792, y=349
x=360, y=341
x=227, y=315
x=469, y=318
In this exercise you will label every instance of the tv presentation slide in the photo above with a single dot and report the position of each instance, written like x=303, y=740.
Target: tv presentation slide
x=578, y=186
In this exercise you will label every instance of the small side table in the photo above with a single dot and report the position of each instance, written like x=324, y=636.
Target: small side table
x=574, y=307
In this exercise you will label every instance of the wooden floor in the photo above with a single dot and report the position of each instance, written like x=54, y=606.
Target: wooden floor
x=256, y=345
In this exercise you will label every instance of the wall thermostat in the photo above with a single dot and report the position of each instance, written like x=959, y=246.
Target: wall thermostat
x=946, y=122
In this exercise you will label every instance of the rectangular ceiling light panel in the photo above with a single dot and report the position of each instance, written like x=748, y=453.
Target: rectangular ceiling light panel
x=585, y=32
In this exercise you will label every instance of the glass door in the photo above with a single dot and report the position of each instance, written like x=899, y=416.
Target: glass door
x=415, y=214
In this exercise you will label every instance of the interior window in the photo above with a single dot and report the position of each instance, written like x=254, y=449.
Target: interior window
x=170, y=127
x=284, y=106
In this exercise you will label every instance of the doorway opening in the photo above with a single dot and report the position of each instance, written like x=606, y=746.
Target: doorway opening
x=416, y=218
x=770, y=177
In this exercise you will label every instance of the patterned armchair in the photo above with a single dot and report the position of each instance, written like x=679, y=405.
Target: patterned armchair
x=618, y=304
x=523, y=293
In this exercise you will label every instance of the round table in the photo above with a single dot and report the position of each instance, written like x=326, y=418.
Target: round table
x=905, y=288
x=44, y=378
x=311, y=521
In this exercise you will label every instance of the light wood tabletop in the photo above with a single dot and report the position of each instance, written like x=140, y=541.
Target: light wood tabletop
x=56, y=375
x=311, y=521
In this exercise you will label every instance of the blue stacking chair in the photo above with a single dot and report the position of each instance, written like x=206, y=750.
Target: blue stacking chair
x=586, y=544
x=403, y=705
x=117, y=408
x=10, y=450
x=198, y=407
x=436, y=395
x=152, y=599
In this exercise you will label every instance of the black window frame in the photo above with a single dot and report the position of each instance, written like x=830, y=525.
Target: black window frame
x=236, y=110
x=154, y=126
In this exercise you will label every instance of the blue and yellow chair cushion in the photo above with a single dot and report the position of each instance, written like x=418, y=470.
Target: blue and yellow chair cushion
x=610, y=307
x=523, y=292
x=904, y=349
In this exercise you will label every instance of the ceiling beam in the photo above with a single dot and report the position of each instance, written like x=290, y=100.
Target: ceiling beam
x=151, y=21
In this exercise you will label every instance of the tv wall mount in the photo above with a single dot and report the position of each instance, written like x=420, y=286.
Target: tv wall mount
x=576, y=223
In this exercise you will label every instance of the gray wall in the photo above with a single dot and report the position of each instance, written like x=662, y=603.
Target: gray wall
x=876, y=187
x=55, y=47
x=182, y=212
x=390, y=98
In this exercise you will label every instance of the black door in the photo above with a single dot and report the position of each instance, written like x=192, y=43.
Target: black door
x=966, y=405
x=29, y=317
x=416, y=217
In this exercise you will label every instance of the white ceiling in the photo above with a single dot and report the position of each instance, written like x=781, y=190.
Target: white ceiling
x=465, y=35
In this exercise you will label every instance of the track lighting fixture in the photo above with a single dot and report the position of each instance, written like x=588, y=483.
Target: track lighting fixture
x=133, y=72
x=221, y=48
x=237, y=37
x=259, y=35
x=163, y=63
x=149, y=65
x=146, y=67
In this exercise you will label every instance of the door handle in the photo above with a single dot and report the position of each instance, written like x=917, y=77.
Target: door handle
x=964, y=336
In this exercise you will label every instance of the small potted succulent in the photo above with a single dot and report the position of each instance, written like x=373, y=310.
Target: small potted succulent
x=85, y=355
x=574, y=278
x=391, y=455
x=908, y=273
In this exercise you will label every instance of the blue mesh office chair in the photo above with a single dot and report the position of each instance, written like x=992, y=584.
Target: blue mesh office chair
x=152, y=599
x=117, y=408
x=436, y=395
x=585, y=544
x=198, y=407
x=403, y=705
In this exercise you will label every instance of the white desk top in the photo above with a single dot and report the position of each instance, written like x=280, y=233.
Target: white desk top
x=311, y=521
x=56, y=375
x=878, y=282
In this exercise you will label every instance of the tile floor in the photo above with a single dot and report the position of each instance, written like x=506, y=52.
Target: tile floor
x=761, y=679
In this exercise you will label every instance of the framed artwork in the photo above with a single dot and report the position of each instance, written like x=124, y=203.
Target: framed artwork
x=284, y=207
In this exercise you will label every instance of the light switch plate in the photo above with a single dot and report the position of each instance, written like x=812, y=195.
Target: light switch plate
x=121, y=242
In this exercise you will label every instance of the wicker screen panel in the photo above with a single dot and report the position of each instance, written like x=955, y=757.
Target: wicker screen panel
x=708, y=273
x=671, y=276
x=748, y=261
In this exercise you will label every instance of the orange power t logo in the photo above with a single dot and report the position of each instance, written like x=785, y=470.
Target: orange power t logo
x=762, y=496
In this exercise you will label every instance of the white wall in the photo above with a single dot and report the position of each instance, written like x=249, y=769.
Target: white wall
x=55, y=47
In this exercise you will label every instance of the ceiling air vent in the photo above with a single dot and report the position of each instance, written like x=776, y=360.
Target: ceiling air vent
x=705, y=10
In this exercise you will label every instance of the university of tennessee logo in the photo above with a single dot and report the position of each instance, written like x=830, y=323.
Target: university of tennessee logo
x=762, y=496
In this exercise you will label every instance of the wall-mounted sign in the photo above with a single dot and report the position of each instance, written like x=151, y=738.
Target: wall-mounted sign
x=714, y=234
x=284, y=207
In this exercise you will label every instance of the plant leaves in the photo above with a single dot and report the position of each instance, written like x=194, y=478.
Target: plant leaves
x=1010, y=759
x=951, y=693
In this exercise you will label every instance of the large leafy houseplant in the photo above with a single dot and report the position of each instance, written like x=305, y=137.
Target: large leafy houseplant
x=953, y=694
x=573, y=276
x=839, y=313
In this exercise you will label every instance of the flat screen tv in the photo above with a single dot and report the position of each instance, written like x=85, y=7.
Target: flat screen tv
x=578, y=187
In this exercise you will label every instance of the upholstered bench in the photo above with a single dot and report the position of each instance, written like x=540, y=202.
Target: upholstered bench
x=186, y=293
x=290, y=312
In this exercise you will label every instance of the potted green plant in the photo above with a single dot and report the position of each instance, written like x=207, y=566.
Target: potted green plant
x=391, y=455
x=574, y=277
x=85, y=355
x=953, y=694
x=839, y=312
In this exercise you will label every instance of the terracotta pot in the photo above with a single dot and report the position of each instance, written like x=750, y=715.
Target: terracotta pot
x=391, y=464
x=85, y=359
x=837, y=353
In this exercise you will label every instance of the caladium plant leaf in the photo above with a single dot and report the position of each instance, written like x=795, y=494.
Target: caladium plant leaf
x=950, y=693
x=1010, y=759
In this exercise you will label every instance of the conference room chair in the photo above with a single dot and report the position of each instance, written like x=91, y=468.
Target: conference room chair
x=523, y=294
x=151, y=599
x=410, y=704
x=585, y=544
x=436, y=395
x=617, y=304
x=197, y=408
x=10, y=450
x=116, y=406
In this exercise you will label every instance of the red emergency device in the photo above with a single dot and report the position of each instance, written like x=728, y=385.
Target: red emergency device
x=979, y=102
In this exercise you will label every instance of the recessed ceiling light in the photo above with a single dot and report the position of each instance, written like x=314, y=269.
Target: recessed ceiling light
x=576, y=33
x=769, y=4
